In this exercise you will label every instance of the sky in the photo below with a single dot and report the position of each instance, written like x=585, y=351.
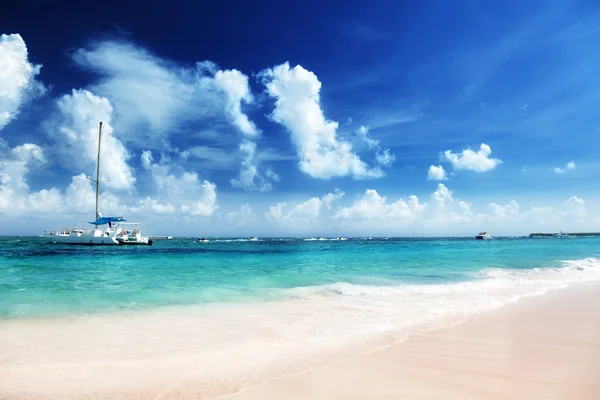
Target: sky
x=313, y=118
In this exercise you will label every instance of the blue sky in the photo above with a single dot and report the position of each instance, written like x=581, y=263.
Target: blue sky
x=320, y=118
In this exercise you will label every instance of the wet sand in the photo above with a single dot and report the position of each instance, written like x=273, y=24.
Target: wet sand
x=545, y=347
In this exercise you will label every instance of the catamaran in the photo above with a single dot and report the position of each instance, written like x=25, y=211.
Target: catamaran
x=118, y=231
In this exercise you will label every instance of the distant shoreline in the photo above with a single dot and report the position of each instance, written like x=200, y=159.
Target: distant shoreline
x=566, y=233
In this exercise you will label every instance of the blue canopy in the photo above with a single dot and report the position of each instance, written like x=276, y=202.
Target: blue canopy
x=106, y=220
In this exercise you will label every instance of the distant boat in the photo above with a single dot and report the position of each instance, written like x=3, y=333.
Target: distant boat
x=563, y=234
x=118, y=232
x=483, y=236
x=201, y=240
x=252, y=238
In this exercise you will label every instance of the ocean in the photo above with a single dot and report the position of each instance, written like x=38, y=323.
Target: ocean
x=234, y=307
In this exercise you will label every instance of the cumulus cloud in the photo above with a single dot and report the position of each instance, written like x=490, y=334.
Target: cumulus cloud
x=235, y=85
x=80, y=198
x=195, y=197
x=74, y=130
x=156, y=98
x=297, y=107
x=479, y=161
x=308, y=210
x=568, y=166
x=152, y=206
x=18, y=77
x=436, y=173
x=372, y=206
x=15, y=194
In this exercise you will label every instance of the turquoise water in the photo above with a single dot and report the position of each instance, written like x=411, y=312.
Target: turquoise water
x=38, y=278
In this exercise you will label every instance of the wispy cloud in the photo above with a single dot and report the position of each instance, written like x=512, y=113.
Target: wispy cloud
x=568, y=166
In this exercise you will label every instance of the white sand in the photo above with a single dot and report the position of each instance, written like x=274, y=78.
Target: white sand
x=541, y=347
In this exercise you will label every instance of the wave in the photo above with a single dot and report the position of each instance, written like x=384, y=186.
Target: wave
x=324, y=239
x=485, y=281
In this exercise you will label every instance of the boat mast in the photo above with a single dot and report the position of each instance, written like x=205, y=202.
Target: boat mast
x=98, y=172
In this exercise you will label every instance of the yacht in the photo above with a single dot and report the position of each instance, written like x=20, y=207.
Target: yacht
x=483, y=236
x=563, y=234
x=117, y=232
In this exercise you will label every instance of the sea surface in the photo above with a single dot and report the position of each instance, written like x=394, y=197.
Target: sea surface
x=233, y=312
x=38, y=278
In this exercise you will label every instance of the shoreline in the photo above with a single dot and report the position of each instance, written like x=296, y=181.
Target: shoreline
x=544, y=346
x=167, y=370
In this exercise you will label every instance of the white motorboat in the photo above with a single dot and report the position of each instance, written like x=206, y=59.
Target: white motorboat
x=118, y=232
x=483, y=236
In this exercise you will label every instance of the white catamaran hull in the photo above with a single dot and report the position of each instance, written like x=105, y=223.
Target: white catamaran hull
x=91, y=238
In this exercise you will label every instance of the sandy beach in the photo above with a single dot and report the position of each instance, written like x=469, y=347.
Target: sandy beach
x=542, y=346
x=545, y=347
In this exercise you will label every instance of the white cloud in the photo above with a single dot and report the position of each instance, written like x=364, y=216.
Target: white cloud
x=385, y=158
x=152, y=96
x=511, y=208
x=15, y=195
x=309, y=210
x=156, y=98
x=436, y=173
x=146, y=160
x=474, y=161
x=194, y=197
x=17, y=79
x=242, y=218
x=372, y=206
x=74, y=129
x=363, y=133
x=235, y=85
x=297, y=107
x=206, y=202
x=568, y=166
x=152, y=206
x=80, y=198
x=249, y=177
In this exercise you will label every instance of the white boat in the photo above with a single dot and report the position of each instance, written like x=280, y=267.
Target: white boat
x=201, y=240
x=483, y=236
x=118, y=232
x=563, y=234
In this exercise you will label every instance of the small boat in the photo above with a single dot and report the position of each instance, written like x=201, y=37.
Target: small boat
x=201, y=240
x=563, y=234
x=483, y=236
x=252, y=238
